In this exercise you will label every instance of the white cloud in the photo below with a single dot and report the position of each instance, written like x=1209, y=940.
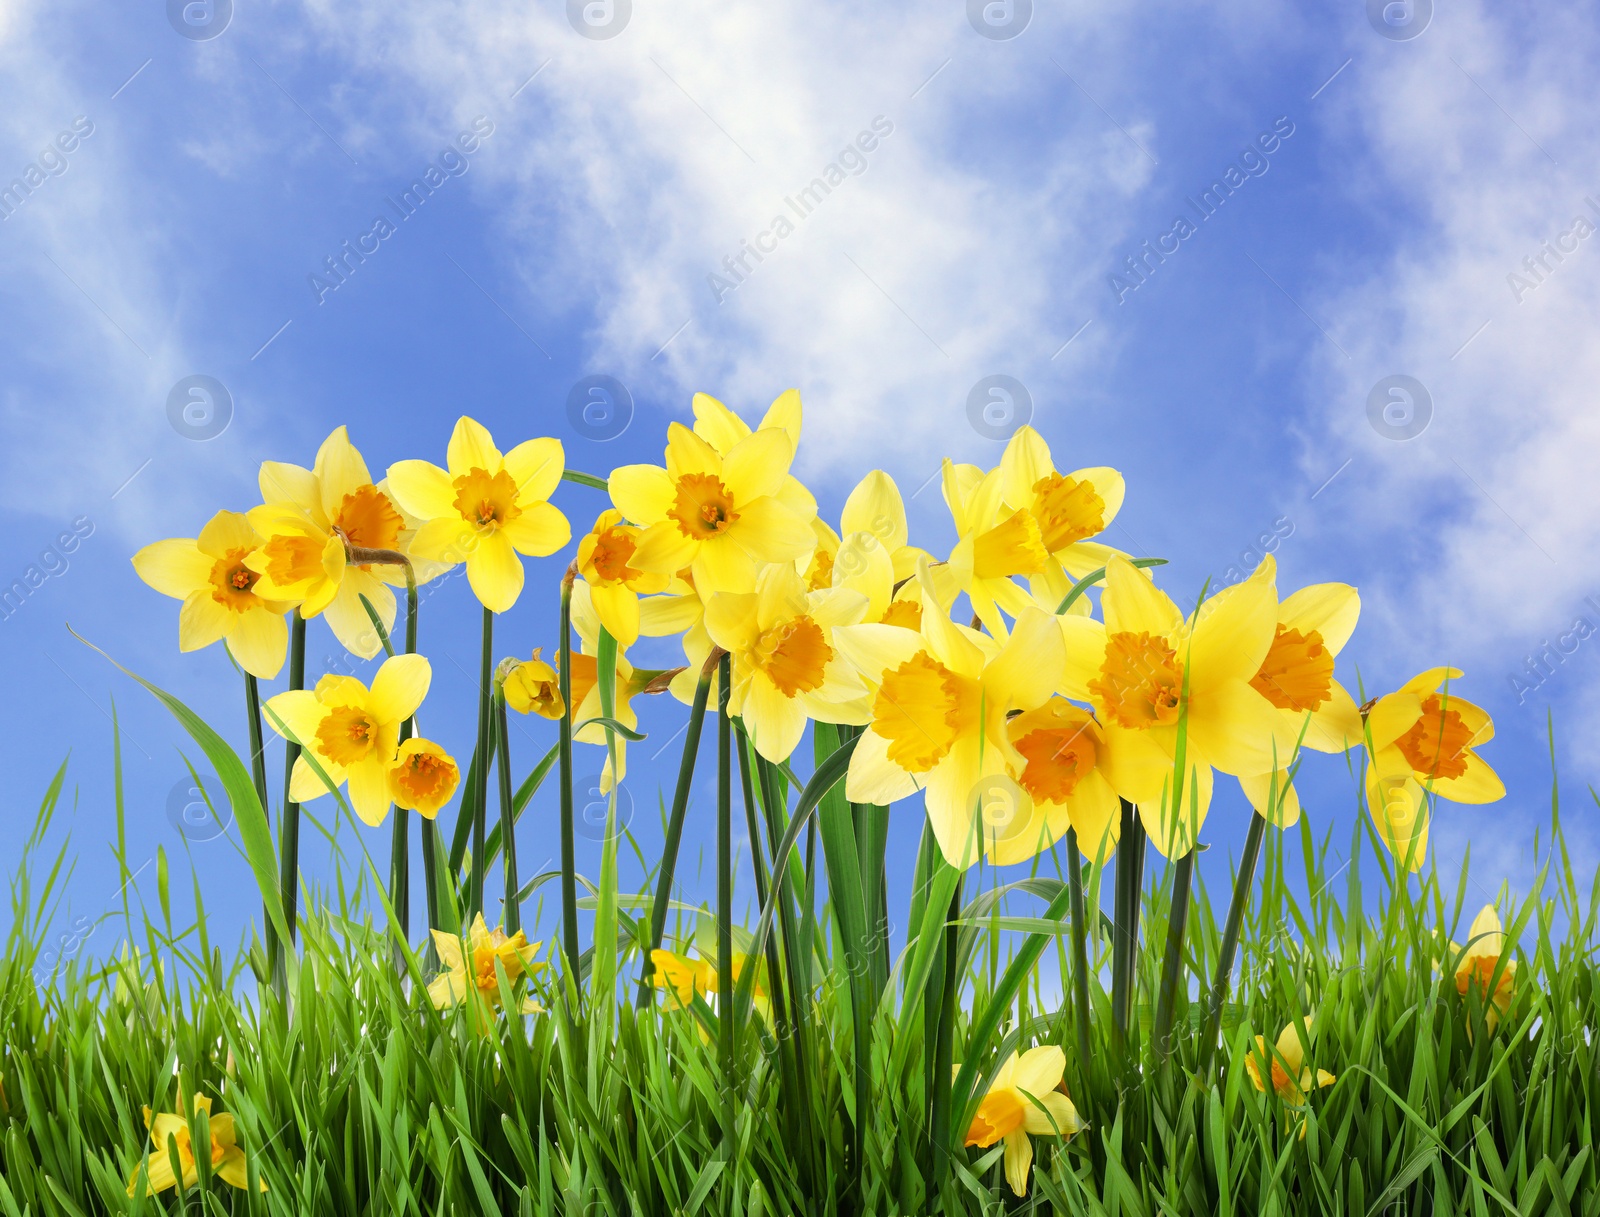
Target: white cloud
x=638, y=164
x=1476, y=147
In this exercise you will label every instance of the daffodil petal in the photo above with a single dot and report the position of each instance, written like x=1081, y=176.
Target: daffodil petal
x=536, y=465
x=1019, y=1160
x=1039, y=1070
x=174, y=568
x=226, y=531
x=495, y=572
x=873, y=777
x=1331, y=609
x=298, y=711
x=1058, y=1119
x=399, y=687
x=1233, y=631
x=368, y=784
x=875, y=507
x=423, y=489
x=339, y=470
x=642, y=493
x=259, y=640
x=539, y=531
x=1133, y=604
x=1479, y=784
x=293, y=485
x=201, y=620
x=716, y=424
x=471, y=447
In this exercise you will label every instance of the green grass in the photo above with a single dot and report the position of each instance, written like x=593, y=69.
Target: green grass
x=356, y=1096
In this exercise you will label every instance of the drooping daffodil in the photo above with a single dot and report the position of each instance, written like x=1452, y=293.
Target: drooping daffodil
x=469, y=967
x=423, y=777
x=1063, y=752
x=533, y=687
x=605, y=560
x=352, y=731
x=170, y=1133
x=1421, y=740
x=1297, y=678
x=1485, y=967
x=1284, y=1066
x=996, y=544
x=1025, y=1100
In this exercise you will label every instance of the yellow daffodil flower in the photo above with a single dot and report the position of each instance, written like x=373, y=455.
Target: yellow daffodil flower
x=679, y=610
x=1421, y=739
x=724, y=430
x=873, y=555
x=1297, y=678
x=817, y=570
x=1063, y=751
x=721, y=516
x=874, y=507
x=469, y=967
x=1133, y=670
x=1477, y=964
x=585, y=686
x=534, y=687
x=423, y=777
x=353, y=732
x=941, y=695
x=1285, y=1065
x=306, y=519
x=605, y=557
x=169, y=1132
x=485, y=509
x=785, y=669
x=1069, y=509
x=208, y=573
x=1025, y=1100
x=684, y=979
x=997, y=543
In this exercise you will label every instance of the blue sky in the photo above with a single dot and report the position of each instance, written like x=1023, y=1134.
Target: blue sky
x=209, y=178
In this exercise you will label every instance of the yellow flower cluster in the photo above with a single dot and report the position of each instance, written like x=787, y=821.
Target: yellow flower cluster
x=1027, y=720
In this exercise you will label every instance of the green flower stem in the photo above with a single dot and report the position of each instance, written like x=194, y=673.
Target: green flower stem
x=400, y=845
x=289, y=828
x=569, y=862
x=727, y=1007
x=480, y=792
x=1125, y=944
x=944, y=1052
x=258, y=777
x=680, y=807
x=1230, y=939
x=1172, y=961
x=1080, y=956
x=508, y=816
